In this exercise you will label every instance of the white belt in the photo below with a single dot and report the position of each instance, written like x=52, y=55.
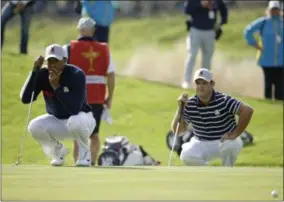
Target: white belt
x=94, y=79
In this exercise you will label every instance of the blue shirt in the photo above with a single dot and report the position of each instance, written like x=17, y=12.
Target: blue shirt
x=67, y=100
x=102, y=12
x=200, y=16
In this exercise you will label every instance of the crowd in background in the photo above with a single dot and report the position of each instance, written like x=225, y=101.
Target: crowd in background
x=125, y=8
x=203, y=29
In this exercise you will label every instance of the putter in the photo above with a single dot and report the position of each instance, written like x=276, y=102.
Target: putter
x=176, y=133
x=27, y=123
x=26, y=129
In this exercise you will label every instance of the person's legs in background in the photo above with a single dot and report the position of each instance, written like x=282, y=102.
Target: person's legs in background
x=101, y=33
x=26, y=16
x=6, y=14
x=268, y=81
x=95, y=141
x=279, y=83
x=207, y=48
x=193, y=45
x=97, y=110
x=80, y=127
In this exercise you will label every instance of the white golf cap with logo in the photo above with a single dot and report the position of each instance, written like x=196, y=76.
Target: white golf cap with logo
x=203, y=74
x=273, y=4
x=86, y=23
x=54, y=51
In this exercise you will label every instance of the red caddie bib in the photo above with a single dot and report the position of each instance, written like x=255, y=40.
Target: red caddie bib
x=93, y=58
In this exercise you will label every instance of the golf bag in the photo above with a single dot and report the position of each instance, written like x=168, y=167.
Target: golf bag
x=118, y=151
x=246, y=137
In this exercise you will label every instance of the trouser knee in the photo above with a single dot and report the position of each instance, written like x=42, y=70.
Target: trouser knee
x=231, y=147
x=81, y=125
x=191, y=160
x=76, y=126
x=35, y=129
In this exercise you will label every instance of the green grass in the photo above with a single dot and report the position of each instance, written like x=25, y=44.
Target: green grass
x=141, y=110
x=141, y=183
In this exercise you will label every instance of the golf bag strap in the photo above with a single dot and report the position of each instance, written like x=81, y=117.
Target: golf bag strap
x=125, y=156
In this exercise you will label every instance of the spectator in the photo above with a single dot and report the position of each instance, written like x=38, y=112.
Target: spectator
x=102, y=12
x=203, y=32
x=24, y=9
x=270, y=49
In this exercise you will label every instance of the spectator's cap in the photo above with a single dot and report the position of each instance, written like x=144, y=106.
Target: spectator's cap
x=273, y=4
x=86, y=23
x=54, y=51
x=203, y=74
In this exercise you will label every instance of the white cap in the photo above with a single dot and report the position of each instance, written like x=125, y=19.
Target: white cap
x=204, y=74
x=54, y=51
x=273, y=4
x=65, y=48
x=86, y=23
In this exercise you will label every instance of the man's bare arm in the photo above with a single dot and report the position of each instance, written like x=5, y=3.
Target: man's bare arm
x=182, y=126
x=111, y=87
x=245, y=113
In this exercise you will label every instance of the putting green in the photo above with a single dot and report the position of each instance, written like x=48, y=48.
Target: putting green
x=30, y=182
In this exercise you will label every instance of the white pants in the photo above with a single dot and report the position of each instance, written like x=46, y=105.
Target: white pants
x=199, y=153
x=48, y=130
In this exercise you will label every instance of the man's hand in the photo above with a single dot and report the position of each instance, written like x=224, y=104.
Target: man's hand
x=182, y=99
x=38, y=63
x=258, y=47
x=179, y=115
x=54, y=77
x=108, y=102
x=205, y=3
x=229, y=136
x=19, y=8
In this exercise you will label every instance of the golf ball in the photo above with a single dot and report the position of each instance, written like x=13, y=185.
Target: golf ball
x=274, y=193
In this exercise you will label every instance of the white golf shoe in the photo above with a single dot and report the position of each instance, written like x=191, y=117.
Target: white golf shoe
x=84, y=158
x=59, y=155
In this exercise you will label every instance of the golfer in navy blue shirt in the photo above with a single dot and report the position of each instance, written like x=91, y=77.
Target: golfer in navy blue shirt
x=68, y=115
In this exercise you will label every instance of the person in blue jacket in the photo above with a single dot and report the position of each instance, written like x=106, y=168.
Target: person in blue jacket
x=103, y=13
x=269, y=49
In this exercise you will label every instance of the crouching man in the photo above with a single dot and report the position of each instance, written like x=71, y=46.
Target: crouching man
x=68, y=115
x=212, y=116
